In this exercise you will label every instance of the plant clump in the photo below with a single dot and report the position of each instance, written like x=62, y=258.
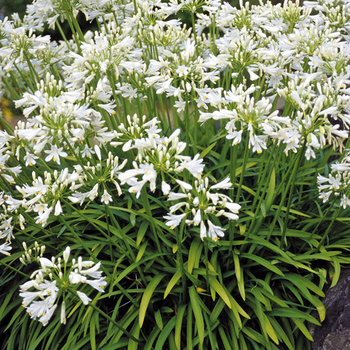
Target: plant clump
x=173, y=186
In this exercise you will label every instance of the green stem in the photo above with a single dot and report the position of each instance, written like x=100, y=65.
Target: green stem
x=129, y=335
x=194, y=32
x=265, y=184
x=125, y=240
x=187, y=120
x=324, y=216
x=233, y=167
x=179, y=238
x=147, y=206
x=285, y=192
x=292, y=179
x=62, y=219
x=63, y=35
x=14, y=269
x=334, y=217
x=206, y=253
x=244, y=165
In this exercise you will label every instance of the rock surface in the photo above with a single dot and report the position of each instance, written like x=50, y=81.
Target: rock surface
x=334, y=334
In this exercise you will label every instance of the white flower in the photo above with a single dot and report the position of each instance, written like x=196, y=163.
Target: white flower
x=234, y=207
x=214, y=231
x=55, y=153
x=43, y=217
x=345, y=201
x=180, y=105
x=75, y=278
x=30, y=159
x=173, y=220
x=224, y=184
x=28, y=297
x=165, y=188
x=58, y=209
x=184, y=185
x=63, y=313
x=195, y=166
x=42, y=309
x=46, y=263
x=92, y=271
x=136, y=186
x=235, y=136
x=5, y=248
x=203, y=230
x=106, y=197
x=83, y=297
x=42, y=301
x=231, y=216
x=197, y=218
x=98, y=284
x=66, y=254
x=173, y=196
x=93, y=193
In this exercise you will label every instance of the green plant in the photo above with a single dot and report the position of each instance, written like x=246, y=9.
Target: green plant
x=155, y=197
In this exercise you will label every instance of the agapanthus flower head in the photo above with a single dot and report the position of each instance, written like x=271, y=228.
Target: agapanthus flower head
x=55, y=280
x=337, y=184
x=198, y=203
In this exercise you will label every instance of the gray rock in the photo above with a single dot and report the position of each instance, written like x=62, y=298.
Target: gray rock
x=334, y=334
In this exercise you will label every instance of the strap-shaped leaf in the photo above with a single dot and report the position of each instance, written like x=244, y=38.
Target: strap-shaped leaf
x=164, y=335
x=263, y=262
x=214, y=283
x=293, y=313
x=147, y=295
x=194, y=254
x=178, y=326
x=197, y=311
x=336, y=275
x=172, y=282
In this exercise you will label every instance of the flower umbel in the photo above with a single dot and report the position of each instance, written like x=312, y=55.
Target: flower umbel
x=59, y=279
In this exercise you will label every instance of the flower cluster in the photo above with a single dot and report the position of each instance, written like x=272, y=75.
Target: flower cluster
x=199, y=203
x=337, y=184
x=59, y=279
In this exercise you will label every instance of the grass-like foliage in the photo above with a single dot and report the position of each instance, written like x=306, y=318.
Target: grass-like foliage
x=173, y=187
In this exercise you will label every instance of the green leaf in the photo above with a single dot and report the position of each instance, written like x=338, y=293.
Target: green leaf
x=337, y=271
x=292, y=313
x=303, y=284
x=141, y=251
x=135, y=265
x=92, y=334
x=197, y=311
x=194, y=254
x=135, y=331
x=141, y=232
x=147, y=295
x=248, y=165
x=225, y=296
x=281, y=333
x=302, y=328
x=172, y=282
x=269, y=329
x=207, y=150
x=260, y=241
x=158, y=319
x=151, y=339
x=263, y=262
x=178, y=326
x=189, y=332
x=239, y=275
x=164, y=335
x=271, y=190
